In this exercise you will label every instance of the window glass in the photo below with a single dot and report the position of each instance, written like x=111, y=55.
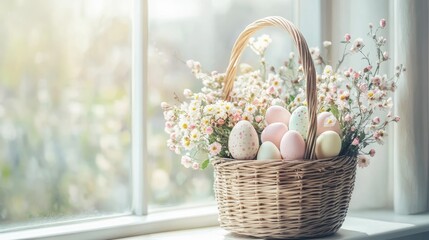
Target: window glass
x=203, y=30
x=64, y=110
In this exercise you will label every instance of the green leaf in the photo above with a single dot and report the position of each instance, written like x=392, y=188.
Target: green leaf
x=205, y=164
x=334, y=110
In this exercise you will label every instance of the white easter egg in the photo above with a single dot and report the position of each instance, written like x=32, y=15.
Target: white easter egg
x=328, y=145
x=274, y=133
x=299, y=121
x=277, y=114
x=243, y=141
x=326, y=121
x=292, y=146
x=268, y=151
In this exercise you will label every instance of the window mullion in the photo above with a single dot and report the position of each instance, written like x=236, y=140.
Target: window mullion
x=139, y=97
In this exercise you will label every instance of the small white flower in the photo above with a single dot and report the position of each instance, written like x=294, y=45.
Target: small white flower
x=327, y=44
x=330, y=121
x=357, y=45
x=215, y=148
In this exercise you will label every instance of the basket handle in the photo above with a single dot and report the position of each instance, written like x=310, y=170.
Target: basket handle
x=309, y=70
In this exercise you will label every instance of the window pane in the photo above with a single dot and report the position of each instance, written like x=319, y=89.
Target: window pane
x=64, y=110
x=203, y=30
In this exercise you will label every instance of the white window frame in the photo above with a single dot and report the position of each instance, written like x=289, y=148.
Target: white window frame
x=138, y=221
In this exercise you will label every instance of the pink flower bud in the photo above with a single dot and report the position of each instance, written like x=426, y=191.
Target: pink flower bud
x=396, y=119
x=383, y=23
x=353, y=129
x=385, y=55
x=221, y=121
x=355, y=142
x=258, y=119
x=376, y=120
x=347, y=37
x=372, y=152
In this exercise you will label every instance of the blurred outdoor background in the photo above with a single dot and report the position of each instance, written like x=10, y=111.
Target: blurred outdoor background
x=65, y=112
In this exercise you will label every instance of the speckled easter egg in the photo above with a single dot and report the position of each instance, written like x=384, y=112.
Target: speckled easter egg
x=277, y=114
x=268, y=151
x=243, y=141
x=299, y=121
x=326, y=121
x=274, y=133
x=292, y=146
x=328, y=145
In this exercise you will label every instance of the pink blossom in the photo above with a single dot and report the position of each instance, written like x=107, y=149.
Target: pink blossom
x=173, y=136
x=271, y=90
x=236, y=117
x=356, y=75
x=372, y=152
x=220, y=121
x=383, y=23
x=209, y=130
x=192, y=126
x=376, y=80
x=353, y=128
x=355, y=142
x=195, y=165
x=376, y=120
x=258, y=118
x=363, y=161
x=363, y=87
x=347, y=37
x=186, y=161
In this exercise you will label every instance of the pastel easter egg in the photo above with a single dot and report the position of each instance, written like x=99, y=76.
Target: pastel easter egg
x=268, y=151
x=292, y=146
x=277, y=114
x=243, y=142
x=328, y=145
x=299, y=121
x=326, y=121
x=274, y=133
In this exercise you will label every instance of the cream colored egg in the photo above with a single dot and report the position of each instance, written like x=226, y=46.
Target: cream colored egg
x=274, y=133
x=328, y=145
x=277, y=114
x=243, y=142
x=299, y=121
x=326, y=121
x=268, y=151
x=292, y=146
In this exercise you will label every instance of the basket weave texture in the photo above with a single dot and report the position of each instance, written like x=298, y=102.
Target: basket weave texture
x=278, y=198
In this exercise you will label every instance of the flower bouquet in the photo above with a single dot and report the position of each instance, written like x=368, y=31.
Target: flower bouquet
x=305, y=130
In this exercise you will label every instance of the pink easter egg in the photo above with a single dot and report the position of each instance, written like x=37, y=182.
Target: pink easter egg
x=326, y=121
x=292, y=146
x=277, y=114
x=274, y=133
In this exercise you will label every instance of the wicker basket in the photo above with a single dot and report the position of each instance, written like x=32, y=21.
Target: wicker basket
x=277, y=198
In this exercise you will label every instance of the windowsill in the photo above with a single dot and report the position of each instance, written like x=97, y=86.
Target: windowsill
x=374, y=224
x=201, y=223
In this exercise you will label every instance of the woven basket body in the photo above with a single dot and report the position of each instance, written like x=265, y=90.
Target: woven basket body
x=279, y=198
x=284, y=199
